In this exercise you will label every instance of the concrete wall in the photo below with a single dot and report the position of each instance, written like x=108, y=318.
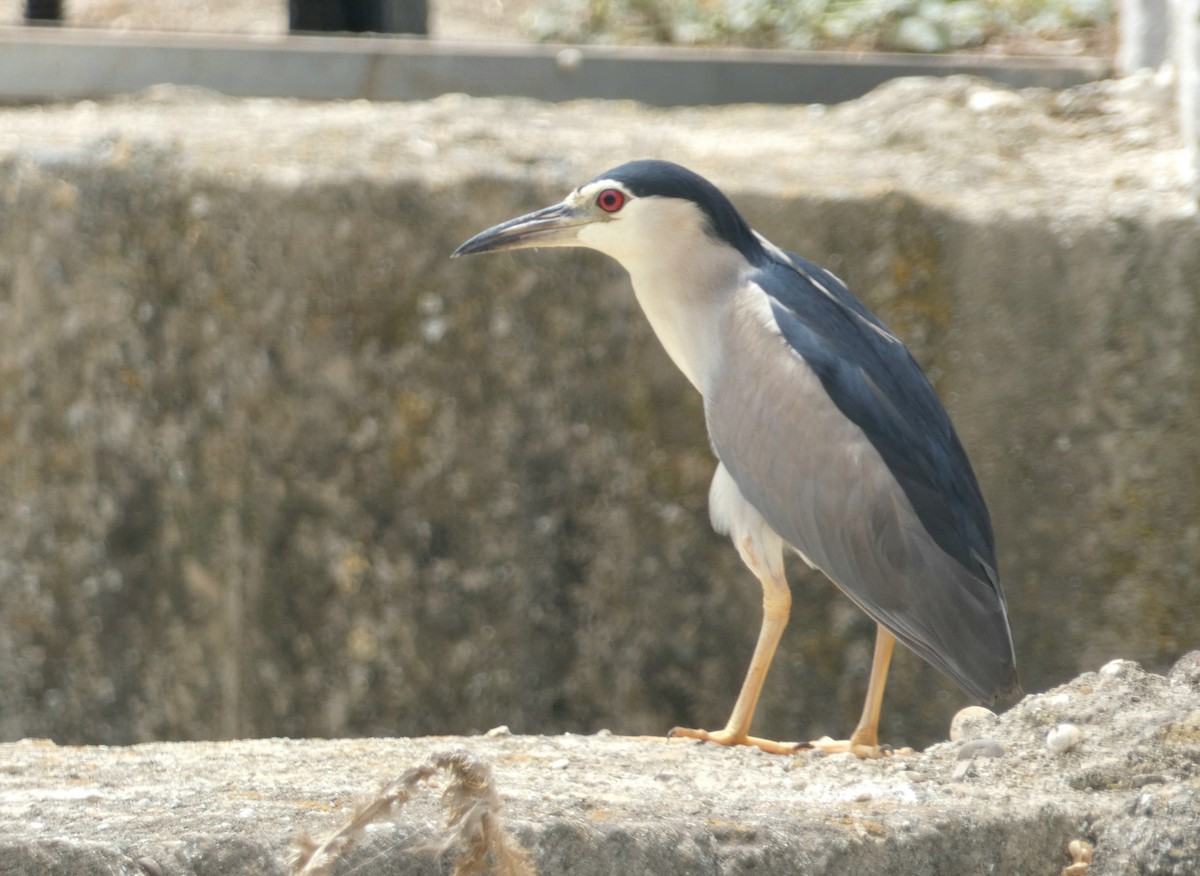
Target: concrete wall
x=271, y=464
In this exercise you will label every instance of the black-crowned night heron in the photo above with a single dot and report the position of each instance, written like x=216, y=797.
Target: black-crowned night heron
x=829, y=438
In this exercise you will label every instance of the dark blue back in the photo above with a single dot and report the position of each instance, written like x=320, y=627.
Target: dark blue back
x=875, y=382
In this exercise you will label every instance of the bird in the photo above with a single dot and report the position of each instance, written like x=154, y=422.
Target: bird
x=830, y=441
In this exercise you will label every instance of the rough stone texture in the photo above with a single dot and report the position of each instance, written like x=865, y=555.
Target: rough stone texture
x=271, y=464
x=592, y=805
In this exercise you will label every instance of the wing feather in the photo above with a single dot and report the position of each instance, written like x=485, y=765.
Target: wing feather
x=874, y=488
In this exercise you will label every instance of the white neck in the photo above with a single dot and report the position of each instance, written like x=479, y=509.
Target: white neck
x=682, y=281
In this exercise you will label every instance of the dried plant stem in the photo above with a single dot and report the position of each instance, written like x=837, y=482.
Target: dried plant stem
x=473, y=825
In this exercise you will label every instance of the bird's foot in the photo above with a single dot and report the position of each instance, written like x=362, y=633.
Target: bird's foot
x=867, y=749
x=728, y=737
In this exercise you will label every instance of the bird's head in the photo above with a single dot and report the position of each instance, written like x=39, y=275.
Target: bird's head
x=641, y=210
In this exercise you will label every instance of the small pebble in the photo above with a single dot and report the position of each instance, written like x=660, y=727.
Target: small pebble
x=1115, y=668
x=972, y=723
x=1064, y=738
x=1080, y=851
x=498, y=732
x=1081, y=854
x=982, y=747
x=983, y=101
x=1186, y=670
x=561, y=764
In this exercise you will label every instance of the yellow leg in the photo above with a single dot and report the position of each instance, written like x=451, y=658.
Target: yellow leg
x=865, y=740
x=777, y=605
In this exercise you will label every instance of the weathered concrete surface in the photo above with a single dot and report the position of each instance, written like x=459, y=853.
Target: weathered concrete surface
x=271, y=464
x=591, y=805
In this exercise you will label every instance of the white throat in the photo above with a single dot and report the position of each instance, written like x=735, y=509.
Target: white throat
x=680, y=274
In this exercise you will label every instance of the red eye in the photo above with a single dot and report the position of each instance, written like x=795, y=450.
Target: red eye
x=611, y=200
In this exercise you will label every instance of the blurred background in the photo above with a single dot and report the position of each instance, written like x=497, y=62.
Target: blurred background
x=1052, y=26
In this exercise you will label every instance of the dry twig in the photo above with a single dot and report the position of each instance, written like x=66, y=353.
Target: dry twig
x=473, y=825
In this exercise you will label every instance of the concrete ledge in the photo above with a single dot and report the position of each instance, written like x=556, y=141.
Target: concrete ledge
x=42, y=64
x=1124, y=780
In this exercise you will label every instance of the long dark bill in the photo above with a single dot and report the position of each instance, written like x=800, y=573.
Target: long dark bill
x=549, y=226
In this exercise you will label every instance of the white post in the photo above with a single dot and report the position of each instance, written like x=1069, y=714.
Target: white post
x=1185, y=51
x=1145, y=35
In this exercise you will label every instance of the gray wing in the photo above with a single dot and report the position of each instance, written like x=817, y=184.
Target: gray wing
x=821, y=484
